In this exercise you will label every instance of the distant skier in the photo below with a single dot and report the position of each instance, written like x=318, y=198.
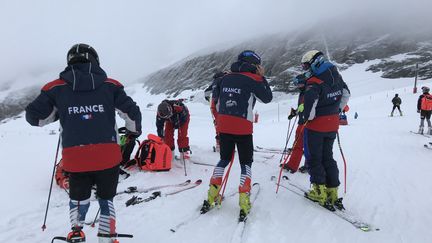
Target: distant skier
x=397, y=101
x=297, y=152
x=326, y=94
x=84, y=99
x=235, y=95
x=424, y=107
x=207, y=95
x=171, y=115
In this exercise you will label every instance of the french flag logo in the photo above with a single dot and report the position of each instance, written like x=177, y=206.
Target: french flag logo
x=87, y=117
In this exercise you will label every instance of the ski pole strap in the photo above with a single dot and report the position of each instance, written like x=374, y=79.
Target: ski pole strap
x=115, y=235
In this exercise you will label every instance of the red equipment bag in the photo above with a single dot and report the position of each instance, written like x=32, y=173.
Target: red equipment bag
x=153, y=154
x=426, y=102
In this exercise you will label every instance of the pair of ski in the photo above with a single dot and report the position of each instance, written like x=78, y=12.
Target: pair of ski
x=62, y=238
x=343, y=214
x=428, y=145
x=424, y=135
x=270, y=150
x=239, y=231
x=187, y=185
x=178, y=158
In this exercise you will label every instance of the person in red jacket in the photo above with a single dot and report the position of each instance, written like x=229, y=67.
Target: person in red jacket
x=424, y=107
x=85, y=101
x=297, y=152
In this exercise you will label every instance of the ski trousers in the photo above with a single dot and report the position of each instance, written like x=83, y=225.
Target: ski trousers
x=182, y=136
x=244, y=144
x=297, y=151
x=318, y=150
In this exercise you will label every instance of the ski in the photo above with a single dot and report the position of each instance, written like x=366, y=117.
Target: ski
x=240, y=229
x=428, y=146
x=424, y=135
x=62, y=238
x=137, y=200
x=134, y=189
x=196, y=215
x=271, y=150
x=176, y=157
x=343, y=214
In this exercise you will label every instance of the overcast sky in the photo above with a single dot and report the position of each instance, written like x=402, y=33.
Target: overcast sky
x=135, y=37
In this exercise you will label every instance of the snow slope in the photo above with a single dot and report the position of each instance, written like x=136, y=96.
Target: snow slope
x=388, y=173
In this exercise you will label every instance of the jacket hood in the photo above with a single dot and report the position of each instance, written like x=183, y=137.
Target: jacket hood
x=243, y=67
x=84, y=76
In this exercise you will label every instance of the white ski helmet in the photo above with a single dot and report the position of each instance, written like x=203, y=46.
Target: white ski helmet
x=309, y=58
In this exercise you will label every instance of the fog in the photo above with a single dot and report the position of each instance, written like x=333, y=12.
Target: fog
x=134, y=38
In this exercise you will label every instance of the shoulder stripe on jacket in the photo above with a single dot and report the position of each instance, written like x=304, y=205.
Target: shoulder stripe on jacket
x=253, y=76
x=113, y=81
x=314, y=80
x=52, y=84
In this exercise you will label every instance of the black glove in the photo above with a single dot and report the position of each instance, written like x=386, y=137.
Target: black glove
x=292, y=114
x=133, y=135
x=207, y=98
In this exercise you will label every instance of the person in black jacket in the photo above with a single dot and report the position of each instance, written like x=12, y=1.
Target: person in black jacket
x=171, y=115
x=397, y=101
x=325, y=96
x=234, y=96
x=84, y=100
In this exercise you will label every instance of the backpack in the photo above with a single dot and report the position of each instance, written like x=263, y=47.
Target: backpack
x=426, y=103
x=153, y=154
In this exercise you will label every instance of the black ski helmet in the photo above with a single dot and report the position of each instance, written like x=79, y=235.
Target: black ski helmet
x=425, y=89
x=164, y=110
x=249, y=57
x=82, y=53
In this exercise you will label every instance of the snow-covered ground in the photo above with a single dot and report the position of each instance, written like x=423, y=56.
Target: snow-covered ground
x=388, y=178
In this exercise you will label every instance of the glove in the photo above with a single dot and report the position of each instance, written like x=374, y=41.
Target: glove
x=292, y=114
x=418, y=111
x=300, y=108
x=132, y=135
x=207, y=98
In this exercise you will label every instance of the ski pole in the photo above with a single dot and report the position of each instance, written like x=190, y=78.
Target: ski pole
x=286, y=159
x=343, y=157
x=94, y=221
x=225, y=179
x=289, y=132
x=51, y=184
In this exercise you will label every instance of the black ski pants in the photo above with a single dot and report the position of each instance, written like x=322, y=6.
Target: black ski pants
x=318, y=150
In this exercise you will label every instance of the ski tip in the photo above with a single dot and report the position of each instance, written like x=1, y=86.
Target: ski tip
x=199, y=181
x=285, y=177
x=172, y=230
x=188, y=181
x=255, y=184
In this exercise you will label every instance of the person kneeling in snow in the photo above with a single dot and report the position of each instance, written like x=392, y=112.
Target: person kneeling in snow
x=326, y=93
x=84, y=99
x=173, y=114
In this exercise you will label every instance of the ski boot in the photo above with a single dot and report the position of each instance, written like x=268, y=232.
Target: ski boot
x=245, y=205
x=287, y=168
x=333, y=199
x=303, y=169
x=318, y=194
x=76, y=235
x=421, y=129
x=107, y=238
x=212, y=199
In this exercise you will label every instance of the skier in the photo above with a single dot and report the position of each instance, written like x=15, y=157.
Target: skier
x=397, y=101
x=207, y=95
x=173, y=114
x=84, y=100
x=424, y=107
x=326, y=94
x=297, y=152
x=235, y=95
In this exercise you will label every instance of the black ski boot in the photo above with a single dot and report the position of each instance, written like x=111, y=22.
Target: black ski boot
x=205, y=207
x=338, y=204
